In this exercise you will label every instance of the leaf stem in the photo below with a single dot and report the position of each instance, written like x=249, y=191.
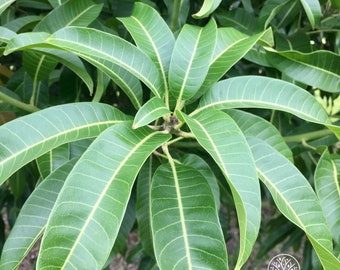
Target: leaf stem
x=308, y=136
x=175, y=15
x=18, y=104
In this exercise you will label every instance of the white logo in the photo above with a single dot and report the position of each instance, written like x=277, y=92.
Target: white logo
x=283, y=262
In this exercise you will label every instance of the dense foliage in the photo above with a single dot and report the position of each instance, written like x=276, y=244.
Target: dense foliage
x=167, y=118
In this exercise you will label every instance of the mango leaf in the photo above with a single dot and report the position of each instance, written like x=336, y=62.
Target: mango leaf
x=207, y=8
x=255, y=126
x=313, y=11
x=5, y=4
x=152, y=35
x=6, y=34
x=319, y=69
x=203, y=167
x=295, y=198
x=33, y=217
x=271, y=9
x=82, y=229
x=185, y=225
x=263, y=92
x=49, y=162
x=231, y=46
x=220, y=136
x=327, y=188
x=188, y=67
x=38, y=66
x=72, y=12
x=28, y=137
x=19, y=23
x=143, y=204
x=151, y=110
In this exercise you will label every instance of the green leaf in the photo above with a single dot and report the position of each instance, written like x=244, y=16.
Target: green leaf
x=203, y=167
x=152, y=35
x=143, y=204
x=6, y=34
x=38, y=66
x=90, y=207
x=263, y=92
x=28, y=137
x=33, y=217
x=207, y=8
x=49, y=162
x=72, y=12
x=151, y=110
x=313, y=11
x=188, y=67
x=185, y=225
x=319, y=69
x=255, y=126
x=231, y=46
x=295, y=198
x=5, y=4
x=220, y=136
x=21, y=23
x=116, y=63
x=328, y=190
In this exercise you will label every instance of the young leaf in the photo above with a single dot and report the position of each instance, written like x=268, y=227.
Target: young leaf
x=328, y=190
x=295, y=198
x=152, y=35
x=33, y=217
x=151, y=110
x=255, y=126
x=188, y=67
x=319, y=69
x=185, y=225
x=207, y=8
x=28, y=137
x=220, y=136
x=263, y=92
x=90, y=208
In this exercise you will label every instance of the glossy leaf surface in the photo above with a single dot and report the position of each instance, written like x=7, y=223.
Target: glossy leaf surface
x=219, y=135
x=188, y=67
x=33, y=217
x=5, y=4
x=313, y=11
x=31, y=136
x=207, y=8
x=320, y=69
x=262, y=92
x=83, y=227
x=152, y=35
x=185, y=225
x=295, y=198
x=151, y=110
x=328, y=190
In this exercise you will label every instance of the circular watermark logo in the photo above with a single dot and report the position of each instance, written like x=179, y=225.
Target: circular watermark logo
x=283, y=262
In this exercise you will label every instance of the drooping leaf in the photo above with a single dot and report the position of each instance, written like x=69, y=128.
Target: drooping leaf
x=231, y=46
x=207, y=8
x=319, y=69
x=22, y=22
x=5, y=4
x=220, y=136
x=328, y=190
x=38, y=66
x=90, y=207
x=143, y=204
x=72, y=12
x=263, y=92
x=255, y=126
x=152, y=35
x=295, y=199
x=185, y=226
x=28, y=137
x=33, y=217
x=188, y=67
x=151, y=110
x=313, y=11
